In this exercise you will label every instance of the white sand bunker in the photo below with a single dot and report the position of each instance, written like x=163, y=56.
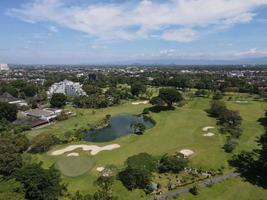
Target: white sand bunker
x=140, y=102
x=93, y=148
x=208, y=134
x=100, y=169
x=241, y=101
x=207, y=128
x=73, y=154
x=187, y=152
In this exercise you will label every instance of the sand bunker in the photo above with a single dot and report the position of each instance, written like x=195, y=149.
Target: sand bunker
x=73, y=154
x=207, y=128
x=140, y=102
x=241, y=101
x=208, y=134
x=100, y=169
x=93, y=148
x=187, y=152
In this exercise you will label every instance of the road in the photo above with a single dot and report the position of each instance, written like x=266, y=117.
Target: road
x=204, y=183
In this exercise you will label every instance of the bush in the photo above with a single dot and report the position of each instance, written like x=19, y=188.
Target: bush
x=194, y=190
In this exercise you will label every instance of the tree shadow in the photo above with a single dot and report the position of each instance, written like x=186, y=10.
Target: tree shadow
x=157, y=108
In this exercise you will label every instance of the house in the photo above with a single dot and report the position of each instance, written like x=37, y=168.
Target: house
x=47, y=114
x=66, y=87
x=8, y=98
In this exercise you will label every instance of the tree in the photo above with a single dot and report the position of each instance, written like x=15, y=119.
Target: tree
x=142, y=161
x=39, y=183
x=230, y=145
x=170, y=96
x=11, y=190
x=58, y=100
x=138, y=128
x=172, y=163
x=42, y=143
x=8, y=111
x=11, y=147
x=138, y=88
x=217, y=108
x=157, y=101
x=133, y=178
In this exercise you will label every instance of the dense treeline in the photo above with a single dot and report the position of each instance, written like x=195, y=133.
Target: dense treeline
x=229, y=122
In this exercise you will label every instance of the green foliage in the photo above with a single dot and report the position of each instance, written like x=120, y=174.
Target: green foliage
x=42, y=143
x=11, y=190
x=230, y=145
x=133, y=178
x=138, y=88
x=39, y=183
x=216, y=108
x=194, y=190
x=58, y=100
x=138, y=128
x=142, y=161
x=11, y=147
x=8, y=111
x=170, y=96
x=172, y=163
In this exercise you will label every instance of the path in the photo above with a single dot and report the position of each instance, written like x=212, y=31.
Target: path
x=204, y=183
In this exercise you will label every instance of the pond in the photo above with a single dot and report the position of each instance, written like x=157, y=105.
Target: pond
x=119, y=126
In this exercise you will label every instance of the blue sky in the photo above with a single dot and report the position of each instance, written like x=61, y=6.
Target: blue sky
x=102, y=31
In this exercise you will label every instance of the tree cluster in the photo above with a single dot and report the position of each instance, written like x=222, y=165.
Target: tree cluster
x=229, y=121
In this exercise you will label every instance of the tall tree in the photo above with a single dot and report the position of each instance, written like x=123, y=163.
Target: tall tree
x=8, y=111
x=58, y=100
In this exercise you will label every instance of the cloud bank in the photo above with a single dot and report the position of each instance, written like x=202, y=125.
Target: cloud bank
x=169, y=20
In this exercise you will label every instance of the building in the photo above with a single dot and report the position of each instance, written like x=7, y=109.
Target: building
x=66, y=87
x=46, y=114
x=4, y=67
x=8, y=98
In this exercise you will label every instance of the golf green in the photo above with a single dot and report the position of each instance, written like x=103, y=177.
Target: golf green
x=74, y=166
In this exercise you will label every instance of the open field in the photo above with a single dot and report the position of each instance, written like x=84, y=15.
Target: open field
x=175, y=130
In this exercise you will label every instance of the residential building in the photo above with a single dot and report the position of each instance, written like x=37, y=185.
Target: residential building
x=6, y=97
x=66, y=87
x=47, y=114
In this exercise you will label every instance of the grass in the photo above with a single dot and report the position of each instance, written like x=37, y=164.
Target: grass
x=231, y=190
x=175, y=130
x=74, y=166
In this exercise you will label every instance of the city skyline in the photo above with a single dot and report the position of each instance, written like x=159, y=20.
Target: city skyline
x=108, y=31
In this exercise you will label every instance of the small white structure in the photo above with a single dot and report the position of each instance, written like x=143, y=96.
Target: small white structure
x=46, y=114
x=66, y=87
x=4, y=67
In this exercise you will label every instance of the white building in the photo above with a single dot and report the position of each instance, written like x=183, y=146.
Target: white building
x=66, y=87
x=4, y=67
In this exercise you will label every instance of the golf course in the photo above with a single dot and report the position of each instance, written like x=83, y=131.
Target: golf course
x=188, y=127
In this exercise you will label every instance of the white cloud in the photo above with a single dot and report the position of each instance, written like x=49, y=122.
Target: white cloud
x=167, y=52
x=97, y=46
x=173, y=20
x=179, y=35
x=53, y=29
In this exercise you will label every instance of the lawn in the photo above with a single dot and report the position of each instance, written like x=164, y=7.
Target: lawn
x=234, y=189
x=175, y=130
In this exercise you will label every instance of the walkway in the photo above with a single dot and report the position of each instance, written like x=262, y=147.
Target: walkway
x=204, y=183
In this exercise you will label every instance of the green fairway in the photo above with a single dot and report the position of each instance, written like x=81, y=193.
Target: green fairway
x=74, y=166
x=174, y=130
